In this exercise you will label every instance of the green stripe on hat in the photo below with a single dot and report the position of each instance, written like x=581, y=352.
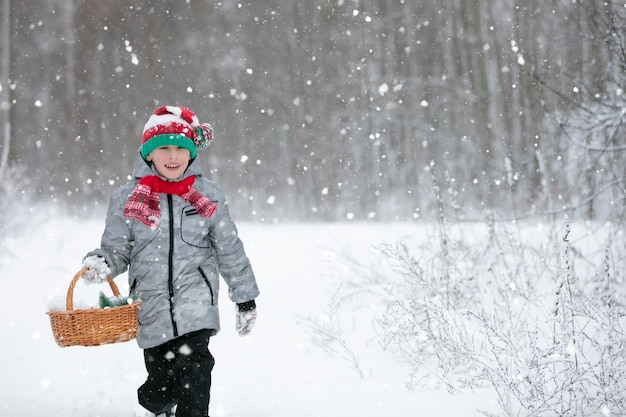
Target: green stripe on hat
x=168, y=139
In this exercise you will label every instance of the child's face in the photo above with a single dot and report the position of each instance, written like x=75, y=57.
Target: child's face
x=170, y=161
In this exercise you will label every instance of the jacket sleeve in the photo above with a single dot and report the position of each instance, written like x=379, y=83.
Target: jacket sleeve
x=233, y=263
x=115, y=245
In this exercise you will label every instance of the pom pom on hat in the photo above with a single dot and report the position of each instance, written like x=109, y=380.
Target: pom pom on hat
x=175, y=125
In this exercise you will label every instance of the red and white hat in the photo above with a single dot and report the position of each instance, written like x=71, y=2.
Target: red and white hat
x=175, y=125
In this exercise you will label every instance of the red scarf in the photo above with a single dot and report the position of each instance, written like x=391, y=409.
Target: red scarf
x=143, y=202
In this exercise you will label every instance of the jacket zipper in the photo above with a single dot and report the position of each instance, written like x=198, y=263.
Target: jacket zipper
x=170, y=278
x=208, y=284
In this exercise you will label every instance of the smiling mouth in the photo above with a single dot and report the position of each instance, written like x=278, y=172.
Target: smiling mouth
x=172, y=166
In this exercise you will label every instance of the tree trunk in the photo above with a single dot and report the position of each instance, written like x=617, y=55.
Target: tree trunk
x=5, y=90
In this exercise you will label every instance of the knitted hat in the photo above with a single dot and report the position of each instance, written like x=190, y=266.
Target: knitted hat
x=175, y=125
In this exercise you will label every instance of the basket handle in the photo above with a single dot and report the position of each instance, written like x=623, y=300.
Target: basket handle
x=69, y=303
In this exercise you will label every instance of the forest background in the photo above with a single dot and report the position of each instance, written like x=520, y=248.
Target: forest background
x=326, y=110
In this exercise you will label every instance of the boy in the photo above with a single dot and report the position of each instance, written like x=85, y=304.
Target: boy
x=171, y=227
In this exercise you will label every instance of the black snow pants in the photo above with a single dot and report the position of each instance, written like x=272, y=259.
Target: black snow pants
x=179, y=373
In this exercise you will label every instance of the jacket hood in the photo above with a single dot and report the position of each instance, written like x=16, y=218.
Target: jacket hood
x=143, y=168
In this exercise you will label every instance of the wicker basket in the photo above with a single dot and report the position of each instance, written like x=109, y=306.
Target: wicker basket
x=94, y=326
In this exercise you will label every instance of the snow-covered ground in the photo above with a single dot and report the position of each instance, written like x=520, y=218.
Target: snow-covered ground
x=274, y=372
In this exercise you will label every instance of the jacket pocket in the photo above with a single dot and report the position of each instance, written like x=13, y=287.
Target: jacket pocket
x=194, y=229
x=208, y=283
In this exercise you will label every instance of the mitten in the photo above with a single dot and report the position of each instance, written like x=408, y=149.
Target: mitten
x=98, y=270
x=245, y=317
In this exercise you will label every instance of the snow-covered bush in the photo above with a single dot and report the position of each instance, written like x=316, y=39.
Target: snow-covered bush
x=564, y=354
x=537, y=318
x=12, y=193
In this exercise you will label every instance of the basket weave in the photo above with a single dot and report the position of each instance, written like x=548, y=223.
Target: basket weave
x=94, y=326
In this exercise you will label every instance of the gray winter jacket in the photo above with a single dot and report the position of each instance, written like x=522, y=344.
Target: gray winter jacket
x=175, y=267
